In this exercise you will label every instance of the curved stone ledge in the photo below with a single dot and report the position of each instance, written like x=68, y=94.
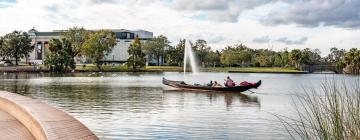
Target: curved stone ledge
x=12, y=129
x=43, y=121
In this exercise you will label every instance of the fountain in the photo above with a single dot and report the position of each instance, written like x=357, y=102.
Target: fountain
x=189, y=55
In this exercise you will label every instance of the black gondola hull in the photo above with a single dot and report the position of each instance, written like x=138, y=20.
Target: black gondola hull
x=182, y=85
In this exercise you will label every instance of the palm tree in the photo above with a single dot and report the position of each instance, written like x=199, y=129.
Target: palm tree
x=295, y=57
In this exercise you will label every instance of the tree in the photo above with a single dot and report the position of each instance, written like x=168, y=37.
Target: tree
x=295, y=56
x=2, y=49
x=309, y=56
x=227, y=56
x=340, y=66
x=285, y=57
x=335, y=55
x=175, y=55
x=213, y=58
x=278, y=62
x=77, y=37
x=305, y=56
x=60, y=56
x=99, y=44
x=352, y=59
x=156, y=47
x=202, y=50
x=236, y=55
x=16, y=45
x=136, y=58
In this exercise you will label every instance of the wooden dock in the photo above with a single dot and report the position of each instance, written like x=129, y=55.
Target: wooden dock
x=27, y=119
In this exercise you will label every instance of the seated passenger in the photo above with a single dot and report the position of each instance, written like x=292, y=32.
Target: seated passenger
x=229, y=82
x=216, y=84
x=210, y=84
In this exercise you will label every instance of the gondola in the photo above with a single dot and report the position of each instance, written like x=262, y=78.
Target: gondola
x=182, y=85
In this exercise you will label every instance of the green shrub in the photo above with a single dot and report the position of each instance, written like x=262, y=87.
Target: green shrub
x=331, y=112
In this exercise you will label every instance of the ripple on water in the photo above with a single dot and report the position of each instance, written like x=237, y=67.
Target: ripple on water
x=128, y=106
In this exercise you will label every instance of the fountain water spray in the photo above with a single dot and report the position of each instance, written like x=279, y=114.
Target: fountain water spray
x=189, y=55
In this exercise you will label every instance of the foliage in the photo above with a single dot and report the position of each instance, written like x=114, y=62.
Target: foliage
x=60, y=57
x=236, y=55
x=136, y=58
x=77, y=37
x=157, y=47
x=16, y=45
x=340, y=65
x=99, y=44
x=2, y=49
x=175, y=55
x=295, y=57
x=212, y=58
x=310, y=57
x=335, y=55
x=352, y=59
x=345, y=61
x=201, y=50
x=331, y=112
x=96, y=45
x=252, y=69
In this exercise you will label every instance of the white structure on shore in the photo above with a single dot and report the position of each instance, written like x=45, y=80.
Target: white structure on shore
x=119, y=53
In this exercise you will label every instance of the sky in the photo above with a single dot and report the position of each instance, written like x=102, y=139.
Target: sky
x=268, y=24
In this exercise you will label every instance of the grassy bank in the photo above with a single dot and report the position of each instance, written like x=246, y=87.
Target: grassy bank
x=253, y=70
x=125, y=69
x=108, y=68
x=180, y=69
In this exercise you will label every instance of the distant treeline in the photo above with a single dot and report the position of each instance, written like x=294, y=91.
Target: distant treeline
x=241, y=55
x=94, y=45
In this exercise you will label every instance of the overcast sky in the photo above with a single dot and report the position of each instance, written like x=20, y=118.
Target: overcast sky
x=269, y=24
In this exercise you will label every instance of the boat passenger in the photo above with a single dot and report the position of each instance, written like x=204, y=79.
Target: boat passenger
x=229, y=82
x=210, y=84
x=216, y=84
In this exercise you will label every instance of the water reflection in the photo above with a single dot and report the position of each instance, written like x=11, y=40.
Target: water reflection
x=138, y=106
x=229, y=97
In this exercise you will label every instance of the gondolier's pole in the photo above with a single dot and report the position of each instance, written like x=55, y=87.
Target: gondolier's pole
x=251, y=91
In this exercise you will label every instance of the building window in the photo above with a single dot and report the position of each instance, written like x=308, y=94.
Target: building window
x=132, y=36
x=39, y=51
x=123, y=35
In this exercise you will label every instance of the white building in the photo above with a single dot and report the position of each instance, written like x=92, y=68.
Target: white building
x=119, y=53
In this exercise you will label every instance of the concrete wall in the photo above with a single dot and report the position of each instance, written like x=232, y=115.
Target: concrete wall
x=43, y=121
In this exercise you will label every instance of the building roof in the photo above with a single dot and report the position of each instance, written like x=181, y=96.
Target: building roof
x=48, y=33
x=118, y=33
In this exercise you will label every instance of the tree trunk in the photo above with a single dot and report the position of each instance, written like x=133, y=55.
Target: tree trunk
x=134, y=61
x=16, y=60
x=98, y=65
x=158, y=60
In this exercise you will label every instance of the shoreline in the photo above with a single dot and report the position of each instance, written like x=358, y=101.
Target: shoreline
x=154, y=69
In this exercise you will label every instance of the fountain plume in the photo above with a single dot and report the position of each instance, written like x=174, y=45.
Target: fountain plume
x=189, y=55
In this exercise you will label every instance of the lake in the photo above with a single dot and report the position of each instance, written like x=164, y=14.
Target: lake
x=138, y=106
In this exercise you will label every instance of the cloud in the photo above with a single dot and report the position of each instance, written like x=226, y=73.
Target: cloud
x=52, y=8
x=287, y=41
x=102, y=1
x=219, y=10
x=284, y=40
x=6, y=3
x=315, y=13
x=261, y=40
x=200, y=5
x=216, y=39
x=210, y=22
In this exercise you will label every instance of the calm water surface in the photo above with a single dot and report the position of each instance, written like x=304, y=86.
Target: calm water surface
x=138, y=106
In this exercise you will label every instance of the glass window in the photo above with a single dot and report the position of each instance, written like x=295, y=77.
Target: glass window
x=123, y=35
